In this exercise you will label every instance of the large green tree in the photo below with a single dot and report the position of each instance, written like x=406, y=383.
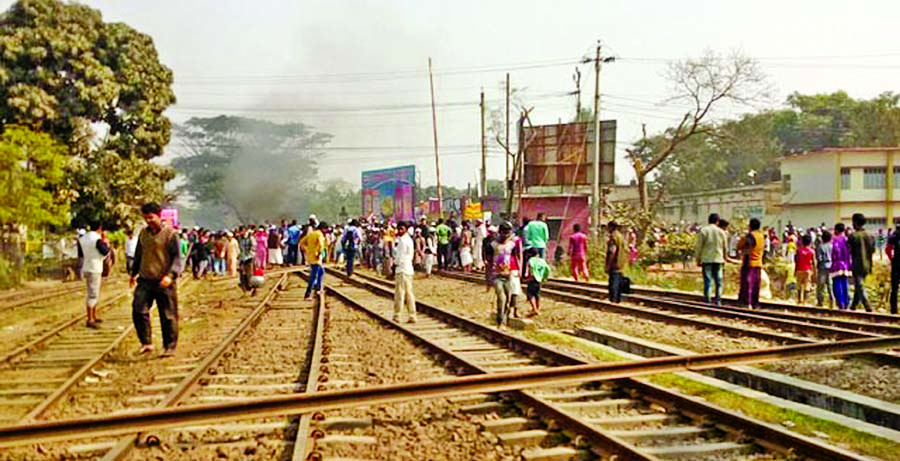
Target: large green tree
x=94, y=86
x=244, y=170
x=32, y=178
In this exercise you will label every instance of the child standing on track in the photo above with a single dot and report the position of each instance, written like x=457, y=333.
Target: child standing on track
x=537, y=271
x=804, y=267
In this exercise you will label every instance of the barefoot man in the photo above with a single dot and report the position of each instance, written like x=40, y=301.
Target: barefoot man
x=157, y=264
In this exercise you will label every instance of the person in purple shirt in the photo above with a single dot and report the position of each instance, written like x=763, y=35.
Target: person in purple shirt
x=578, y=253
x=841, y=267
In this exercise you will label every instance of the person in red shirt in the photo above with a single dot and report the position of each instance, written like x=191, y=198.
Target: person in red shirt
x=804, y=267
x=578, y=254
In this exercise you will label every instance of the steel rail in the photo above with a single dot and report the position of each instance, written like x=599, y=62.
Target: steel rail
x=886, y=358
x=124, y=446
x=873, y=317
x=60, y=392
x=302, y=446
x=37, y=342
x=170, y=417
x=886, y=329
x=16, y=292
x=4, y=305
x=76, y=377
x=845, y=326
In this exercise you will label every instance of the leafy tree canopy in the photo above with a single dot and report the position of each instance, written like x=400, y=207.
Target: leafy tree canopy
x=33, y=169
x=97, y=88
x=745, y=151
x=62, y=68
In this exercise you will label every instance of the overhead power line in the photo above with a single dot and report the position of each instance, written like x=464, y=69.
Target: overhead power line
x=356, y=77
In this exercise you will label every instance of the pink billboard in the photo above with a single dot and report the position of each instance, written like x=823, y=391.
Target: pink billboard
x=389, y=193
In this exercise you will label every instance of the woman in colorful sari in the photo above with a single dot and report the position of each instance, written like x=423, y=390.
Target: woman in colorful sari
x=262, y=247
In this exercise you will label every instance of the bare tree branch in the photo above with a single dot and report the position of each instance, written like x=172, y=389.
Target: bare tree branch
x=703, y=85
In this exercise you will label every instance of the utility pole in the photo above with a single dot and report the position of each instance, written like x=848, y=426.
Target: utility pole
x=437, y=160
x=596, y=212
x=508, y=186
x=577, y=78
x=483, y=151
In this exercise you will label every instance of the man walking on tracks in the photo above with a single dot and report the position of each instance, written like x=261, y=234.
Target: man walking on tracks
x=403, y=276
x=710, y=255
x=751, y=246
x=313, y=245
x=443, y=240
x=578, y=254
x=862, y=247
x=157, y=264
x=507, y=262
x=93, y=249
x=350, y=243
x=537, y=235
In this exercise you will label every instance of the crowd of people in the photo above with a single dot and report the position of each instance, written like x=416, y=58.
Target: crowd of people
x=823, y=260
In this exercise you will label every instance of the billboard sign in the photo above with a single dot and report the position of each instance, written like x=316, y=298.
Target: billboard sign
x=389, y=193
x=563, y=154
x=169, y=217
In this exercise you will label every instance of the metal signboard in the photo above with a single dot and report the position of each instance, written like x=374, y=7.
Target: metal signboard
x=389, y=193
x=563, y=154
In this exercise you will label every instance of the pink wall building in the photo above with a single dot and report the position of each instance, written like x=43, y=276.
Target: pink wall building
x=562, y=212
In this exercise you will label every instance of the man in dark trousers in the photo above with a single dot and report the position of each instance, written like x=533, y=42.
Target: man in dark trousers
x=893, y=254
x=157, y=264
x=862, y=247
x=616, y=260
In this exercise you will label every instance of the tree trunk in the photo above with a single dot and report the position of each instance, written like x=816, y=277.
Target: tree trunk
x=642, y=192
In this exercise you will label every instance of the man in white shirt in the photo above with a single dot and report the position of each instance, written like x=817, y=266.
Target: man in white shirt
x=92, y=248
x=131, y=242
x=480, y=234
x=403, y=280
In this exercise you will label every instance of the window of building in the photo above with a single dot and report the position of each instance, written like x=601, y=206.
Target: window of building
x=786, y=183
x=874, y=178
x=845, y=178
x=896, y=177
x=876, y=223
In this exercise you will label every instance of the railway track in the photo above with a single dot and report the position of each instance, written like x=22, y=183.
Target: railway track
x=628, y=418
x=808, y=322
x=735, y=322
x=769, y=307
x=272, y=350
x=38, y=375
x=12, y=301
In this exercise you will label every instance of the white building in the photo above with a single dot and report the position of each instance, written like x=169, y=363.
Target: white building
x=762, y=201
x=829, y=185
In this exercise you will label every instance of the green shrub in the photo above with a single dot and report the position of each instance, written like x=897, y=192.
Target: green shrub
x=9, y=277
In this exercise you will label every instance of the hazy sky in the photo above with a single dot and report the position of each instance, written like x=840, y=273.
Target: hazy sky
x=357, y=69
